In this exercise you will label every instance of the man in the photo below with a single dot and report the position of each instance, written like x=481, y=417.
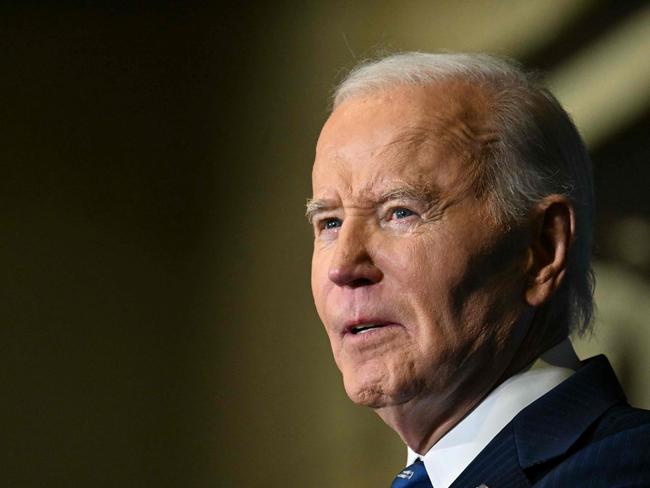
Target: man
x=452, y=211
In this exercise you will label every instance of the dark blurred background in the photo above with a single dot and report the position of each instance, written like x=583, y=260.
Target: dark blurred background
x=157, y=324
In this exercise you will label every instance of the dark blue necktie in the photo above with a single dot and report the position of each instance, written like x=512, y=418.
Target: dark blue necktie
x=413, y=476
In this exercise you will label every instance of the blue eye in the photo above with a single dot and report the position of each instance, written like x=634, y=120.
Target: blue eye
x=402, y=213
x=332, y=223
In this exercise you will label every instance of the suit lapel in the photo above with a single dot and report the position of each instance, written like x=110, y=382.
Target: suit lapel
x=550, y=426
x=546, y=429
x=496, y=466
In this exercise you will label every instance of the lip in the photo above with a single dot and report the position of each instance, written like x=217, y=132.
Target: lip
x=380, y=324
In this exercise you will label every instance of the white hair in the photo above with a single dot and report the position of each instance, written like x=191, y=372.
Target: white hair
x=538, y=152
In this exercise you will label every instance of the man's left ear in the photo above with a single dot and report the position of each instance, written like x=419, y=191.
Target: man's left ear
x=553, y=224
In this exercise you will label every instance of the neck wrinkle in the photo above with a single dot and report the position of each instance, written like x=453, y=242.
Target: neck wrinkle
x=415, y=438
x=408, y=419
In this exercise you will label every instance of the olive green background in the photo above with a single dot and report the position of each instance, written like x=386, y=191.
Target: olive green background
x=157, y=323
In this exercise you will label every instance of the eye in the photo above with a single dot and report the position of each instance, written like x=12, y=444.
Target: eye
x=401, y=213
x=331, y=223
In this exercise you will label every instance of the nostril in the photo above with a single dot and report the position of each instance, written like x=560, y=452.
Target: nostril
x=359, y=282
x=355, y=276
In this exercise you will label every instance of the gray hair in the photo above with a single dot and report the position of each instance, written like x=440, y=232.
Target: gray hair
x=538, y=152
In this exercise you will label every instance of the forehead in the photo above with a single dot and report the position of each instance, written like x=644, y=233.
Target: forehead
x=405, y=132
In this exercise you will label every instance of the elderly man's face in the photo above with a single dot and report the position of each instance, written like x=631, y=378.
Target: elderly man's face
x=418, y=288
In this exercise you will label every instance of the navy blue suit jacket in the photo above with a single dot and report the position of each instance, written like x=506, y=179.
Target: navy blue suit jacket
x=580, y=434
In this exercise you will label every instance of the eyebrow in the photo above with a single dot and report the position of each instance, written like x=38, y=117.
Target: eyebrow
x=405, y=192
x=409, y=192
x=316, y=206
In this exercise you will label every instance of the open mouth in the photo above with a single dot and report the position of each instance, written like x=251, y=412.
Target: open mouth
x=363, y=328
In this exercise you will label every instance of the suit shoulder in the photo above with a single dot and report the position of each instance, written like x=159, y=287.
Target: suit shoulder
x=620, y=418
x=615, y=452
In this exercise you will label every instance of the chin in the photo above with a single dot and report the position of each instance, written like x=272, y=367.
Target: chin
x=368, y=397
x=374, y=390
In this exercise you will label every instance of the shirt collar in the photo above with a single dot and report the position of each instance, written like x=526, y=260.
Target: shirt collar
x=449, y=457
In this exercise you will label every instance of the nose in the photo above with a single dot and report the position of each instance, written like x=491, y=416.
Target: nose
x=352, y=265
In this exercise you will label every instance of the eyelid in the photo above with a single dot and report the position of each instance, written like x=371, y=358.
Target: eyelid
x=414, y=207
x=392, y=216
x=324, y=215
x=327, y=220
x=321, y=220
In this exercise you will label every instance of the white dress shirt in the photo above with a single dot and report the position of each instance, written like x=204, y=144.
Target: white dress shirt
x=449, y=457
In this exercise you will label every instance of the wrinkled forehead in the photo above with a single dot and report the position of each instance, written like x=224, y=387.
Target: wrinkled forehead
x=419, y=126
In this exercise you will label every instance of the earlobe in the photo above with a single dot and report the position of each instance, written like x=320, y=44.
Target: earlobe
x=553, y=225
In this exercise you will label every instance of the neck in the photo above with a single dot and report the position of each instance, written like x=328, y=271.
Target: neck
x=423, y=421
x=426, y=417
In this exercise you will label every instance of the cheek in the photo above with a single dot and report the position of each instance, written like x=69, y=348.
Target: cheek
x=430, y=275
x=423, y=266
x=399, y=258
x=320, y=282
